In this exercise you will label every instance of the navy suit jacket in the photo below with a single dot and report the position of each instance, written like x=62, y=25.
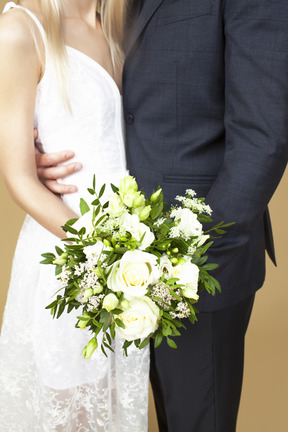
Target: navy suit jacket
x=205, y=88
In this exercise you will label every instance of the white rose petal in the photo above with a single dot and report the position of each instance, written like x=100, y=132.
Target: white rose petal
x=85, y=221
x=188, y=274
x=133, y=273
x=140, y=319
x=132, y=224
x=166, y=267
x=116, y=206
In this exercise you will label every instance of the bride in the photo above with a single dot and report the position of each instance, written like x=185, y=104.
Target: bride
x=61, y=73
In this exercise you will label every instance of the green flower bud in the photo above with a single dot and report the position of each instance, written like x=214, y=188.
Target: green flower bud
x=175, y=250
x=110, y=302
x=126, y=184
x=97, y=271
x=97, y=289
x=88, y=293
x=90, y=348
x=106, y=243
x=145, y=213
x=59, y=261
x=174, y=261
x=181, y=261
x=125, y=304
x=155, y=195
x=82, y=324
x=139, y=200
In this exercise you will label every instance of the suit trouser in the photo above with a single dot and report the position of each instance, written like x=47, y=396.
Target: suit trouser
x=197, y=387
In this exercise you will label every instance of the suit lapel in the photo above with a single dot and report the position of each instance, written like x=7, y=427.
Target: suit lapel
x=139, y=21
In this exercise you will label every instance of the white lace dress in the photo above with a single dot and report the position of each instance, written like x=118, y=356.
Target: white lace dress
x=45, y=384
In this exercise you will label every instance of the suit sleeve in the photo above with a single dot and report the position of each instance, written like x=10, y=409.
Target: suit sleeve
x=256, y=115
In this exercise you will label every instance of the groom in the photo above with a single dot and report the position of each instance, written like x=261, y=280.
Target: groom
x=205, y=88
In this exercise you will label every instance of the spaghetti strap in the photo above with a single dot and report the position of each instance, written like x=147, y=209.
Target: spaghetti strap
x=11, y=5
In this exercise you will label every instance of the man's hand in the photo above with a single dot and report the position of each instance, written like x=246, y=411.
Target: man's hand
x=49, y=169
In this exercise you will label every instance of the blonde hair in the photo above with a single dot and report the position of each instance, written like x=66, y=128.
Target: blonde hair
x=112, y=15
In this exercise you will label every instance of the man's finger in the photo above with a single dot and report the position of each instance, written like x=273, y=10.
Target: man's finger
x=57, y=172
x=59, y=189
x=50, y=159
x=35, y=132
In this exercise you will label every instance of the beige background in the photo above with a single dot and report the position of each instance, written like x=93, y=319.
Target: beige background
x=264, y=405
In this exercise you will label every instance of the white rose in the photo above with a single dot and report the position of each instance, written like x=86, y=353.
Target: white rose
x=140, y=319
x=188, y=222
x=116, y=206
x=110, y=302
x=188, y=274
x=136, y=228
x=166, y=267
x=133, y=273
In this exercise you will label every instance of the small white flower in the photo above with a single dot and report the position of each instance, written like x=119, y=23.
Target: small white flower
x=188, y=224
x=191, y=192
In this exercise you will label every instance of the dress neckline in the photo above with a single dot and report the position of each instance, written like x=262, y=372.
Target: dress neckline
x=95, y=64
x=13, y=5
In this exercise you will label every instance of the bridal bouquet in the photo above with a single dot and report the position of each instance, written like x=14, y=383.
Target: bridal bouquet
x=133, y=268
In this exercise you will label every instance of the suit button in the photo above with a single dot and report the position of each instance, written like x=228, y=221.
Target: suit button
x=129, y=118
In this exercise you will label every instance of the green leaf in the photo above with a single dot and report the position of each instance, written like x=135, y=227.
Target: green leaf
x=103, y=350
x=158, y=339
x=114, y=188
x=167, y=331
x=175, y=295
x=84, y=208
x=145, y=342
x=46, y=261
x=210, y=266
x=102, y=190
x=120, y=323
x=171, y=281
x=69, y=229
x=108, y=346
x=59, y=250
x=91, y=191
x=171, y=343
x=112, y=330
x=71, y=222
x=202, y=218
x=203, y=249
x=48, y=255
x=58, y=270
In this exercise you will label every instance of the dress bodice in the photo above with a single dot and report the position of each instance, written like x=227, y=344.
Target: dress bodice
x=92, y=129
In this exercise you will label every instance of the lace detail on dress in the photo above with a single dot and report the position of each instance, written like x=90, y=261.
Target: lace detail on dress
x=45, y=384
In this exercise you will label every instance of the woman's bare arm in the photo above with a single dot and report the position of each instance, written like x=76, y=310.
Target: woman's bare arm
x=20, y=72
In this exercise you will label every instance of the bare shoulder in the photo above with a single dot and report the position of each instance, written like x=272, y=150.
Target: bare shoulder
x=18, y=50
x=15, y=33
